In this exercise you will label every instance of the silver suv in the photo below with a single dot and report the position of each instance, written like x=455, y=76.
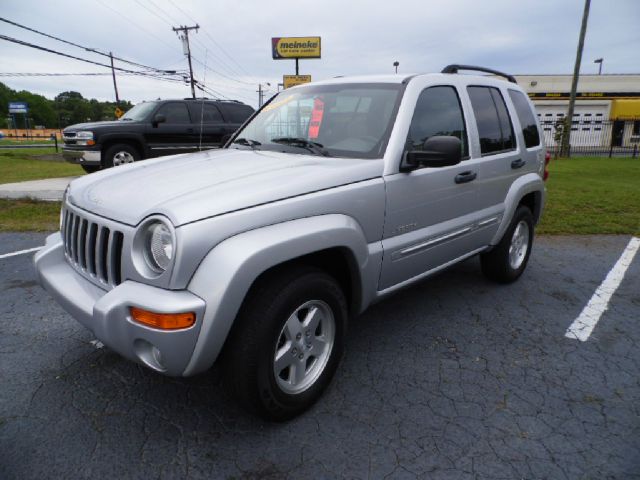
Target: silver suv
x=331, y=197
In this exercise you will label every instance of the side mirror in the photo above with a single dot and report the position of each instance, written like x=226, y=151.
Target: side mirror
x=437, y=151
x=159, y=118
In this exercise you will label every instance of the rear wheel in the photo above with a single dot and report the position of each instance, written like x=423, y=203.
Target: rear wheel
x=506, y=262
x=120, y=154
x=287, y=343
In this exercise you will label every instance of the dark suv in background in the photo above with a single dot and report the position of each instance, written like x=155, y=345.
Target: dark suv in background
x=154, y=129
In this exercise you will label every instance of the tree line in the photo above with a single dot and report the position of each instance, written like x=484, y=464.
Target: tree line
x=66, y=109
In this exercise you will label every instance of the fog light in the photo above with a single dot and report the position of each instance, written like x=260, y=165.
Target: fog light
x=163, y=321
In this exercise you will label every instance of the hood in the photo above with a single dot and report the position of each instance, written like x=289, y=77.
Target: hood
x=190, y=187
x=96, y=125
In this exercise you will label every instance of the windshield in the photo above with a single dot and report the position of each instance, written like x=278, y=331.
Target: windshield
x=347, y=120
x=139, y=112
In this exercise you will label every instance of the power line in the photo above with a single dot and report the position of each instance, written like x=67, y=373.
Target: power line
x=77, y=45
x=44, y=49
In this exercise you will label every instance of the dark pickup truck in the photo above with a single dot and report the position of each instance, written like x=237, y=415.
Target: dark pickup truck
x=154, y=129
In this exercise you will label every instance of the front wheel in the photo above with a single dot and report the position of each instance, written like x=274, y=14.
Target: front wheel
x=287, y=343
x=120, y=154
x=506, y=262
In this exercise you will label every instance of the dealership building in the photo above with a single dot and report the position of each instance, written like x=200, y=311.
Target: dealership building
x=607, y=109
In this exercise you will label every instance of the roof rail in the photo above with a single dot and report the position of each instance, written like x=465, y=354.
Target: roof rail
x=454, y=69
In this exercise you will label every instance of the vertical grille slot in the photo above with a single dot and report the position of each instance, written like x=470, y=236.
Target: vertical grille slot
x=74, y=238
x=93, y=249
x=103, y=251
x=115, y=256
x=82, y=242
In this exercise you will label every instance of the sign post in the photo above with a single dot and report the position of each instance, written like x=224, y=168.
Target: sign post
x=284, y=48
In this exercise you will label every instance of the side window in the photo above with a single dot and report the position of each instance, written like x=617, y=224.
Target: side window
x=236, y=113
x=527, y=119
x=175, y=112
x=211, y=113
x=438, y=112
x=494, y=125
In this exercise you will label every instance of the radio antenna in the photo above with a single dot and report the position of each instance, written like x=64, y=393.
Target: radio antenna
x=204, y=82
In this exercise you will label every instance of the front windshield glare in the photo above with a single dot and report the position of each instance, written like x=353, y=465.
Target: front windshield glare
x=139, y=112
x=352, y=120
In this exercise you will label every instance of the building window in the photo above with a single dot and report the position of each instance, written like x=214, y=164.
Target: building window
x=636, y=127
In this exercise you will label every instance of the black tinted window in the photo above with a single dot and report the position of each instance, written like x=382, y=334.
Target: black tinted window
x=175, y=112
x=236, y=113
x=438, y=112
x=494, y=125
x=211, y=113
x=527, y=119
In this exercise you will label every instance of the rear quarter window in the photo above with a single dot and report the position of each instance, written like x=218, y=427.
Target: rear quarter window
x=527, y=119
x=234, y=113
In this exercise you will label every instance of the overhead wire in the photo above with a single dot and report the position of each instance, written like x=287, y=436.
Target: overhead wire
x=88, y=49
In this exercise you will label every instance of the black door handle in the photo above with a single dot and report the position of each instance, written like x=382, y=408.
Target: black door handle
x=465, y=177
x=518, y=163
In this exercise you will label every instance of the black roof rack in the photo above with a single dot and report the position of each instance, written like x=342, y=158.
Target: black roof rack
x=454, y=69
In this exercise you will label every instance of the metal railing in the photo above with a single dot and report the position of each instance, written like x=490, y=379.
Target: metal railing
x=612, y=138
x=10, y=141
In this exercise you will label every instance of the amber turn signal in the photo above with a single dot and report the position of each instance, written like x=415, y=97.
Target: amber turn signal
x=91, y=142
x=163, y=321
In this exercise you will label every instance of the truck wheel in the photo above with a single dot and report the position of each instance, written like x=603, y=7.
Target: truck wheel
x=506, y=262
x=90, y=168
x=120, y=154
x=286, y=344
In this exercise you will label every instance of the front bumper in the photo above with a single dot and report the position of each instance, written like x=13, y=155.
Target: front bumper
x=106, y=313
x=81, y=157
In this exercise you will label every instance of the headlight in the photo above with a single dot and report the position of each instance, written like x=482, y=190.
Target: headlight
x=85, y=138
x=158, y=246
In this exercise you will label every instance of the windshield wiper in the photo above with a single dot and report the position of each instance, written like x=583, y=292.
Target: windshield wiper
x=248, y=142
x=313, y=147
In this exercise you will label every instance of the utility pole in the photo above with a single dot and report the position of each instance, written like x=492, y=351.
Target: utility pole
x=113, y=74
x=187, y=50
x=566, y=134
x=261, y=93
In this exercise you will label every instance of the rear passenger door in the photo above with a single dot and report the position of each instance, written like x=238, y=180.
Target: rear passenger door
x=501, y=161
x=430, y=212
x=174, y=135
x=209, y=125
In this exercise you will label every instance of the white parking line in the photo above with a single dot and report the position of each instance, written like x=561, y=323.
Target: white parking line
x=20, y=252
x=582, y=326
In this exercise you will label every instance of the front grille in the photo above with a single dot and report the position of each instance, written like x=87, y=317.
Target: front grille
x=92, y=248
x=68, y=134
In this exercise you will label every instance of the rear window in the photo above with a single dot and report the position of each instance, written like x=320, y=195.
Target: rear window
x=236, y=113
x=494, y=125
x=527, y=119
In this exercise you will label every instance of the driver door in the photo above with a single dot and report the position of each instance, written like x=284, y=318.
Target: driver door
x=430, y=211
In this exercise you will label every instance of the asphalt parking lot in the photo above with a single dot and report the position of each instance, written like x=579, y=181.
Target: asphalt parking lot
x=453, y=378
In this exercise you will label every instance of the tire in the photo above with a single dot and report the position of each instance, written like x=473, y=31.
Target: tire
x=90, y=168
x=270, y=326
x=507, y=260
x=120, y=154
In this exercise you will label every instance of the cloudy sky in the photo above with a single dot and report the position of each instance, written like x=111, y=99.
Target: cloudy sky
x=358, y=37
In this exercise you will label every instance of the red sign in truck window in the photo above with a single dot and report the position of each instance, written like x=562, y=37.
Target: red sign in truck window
x=316, y=118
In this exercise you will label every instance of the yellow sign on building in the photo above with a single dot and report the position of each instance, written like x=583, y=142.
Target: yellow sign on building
x=293, y=80
x=295, y=47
